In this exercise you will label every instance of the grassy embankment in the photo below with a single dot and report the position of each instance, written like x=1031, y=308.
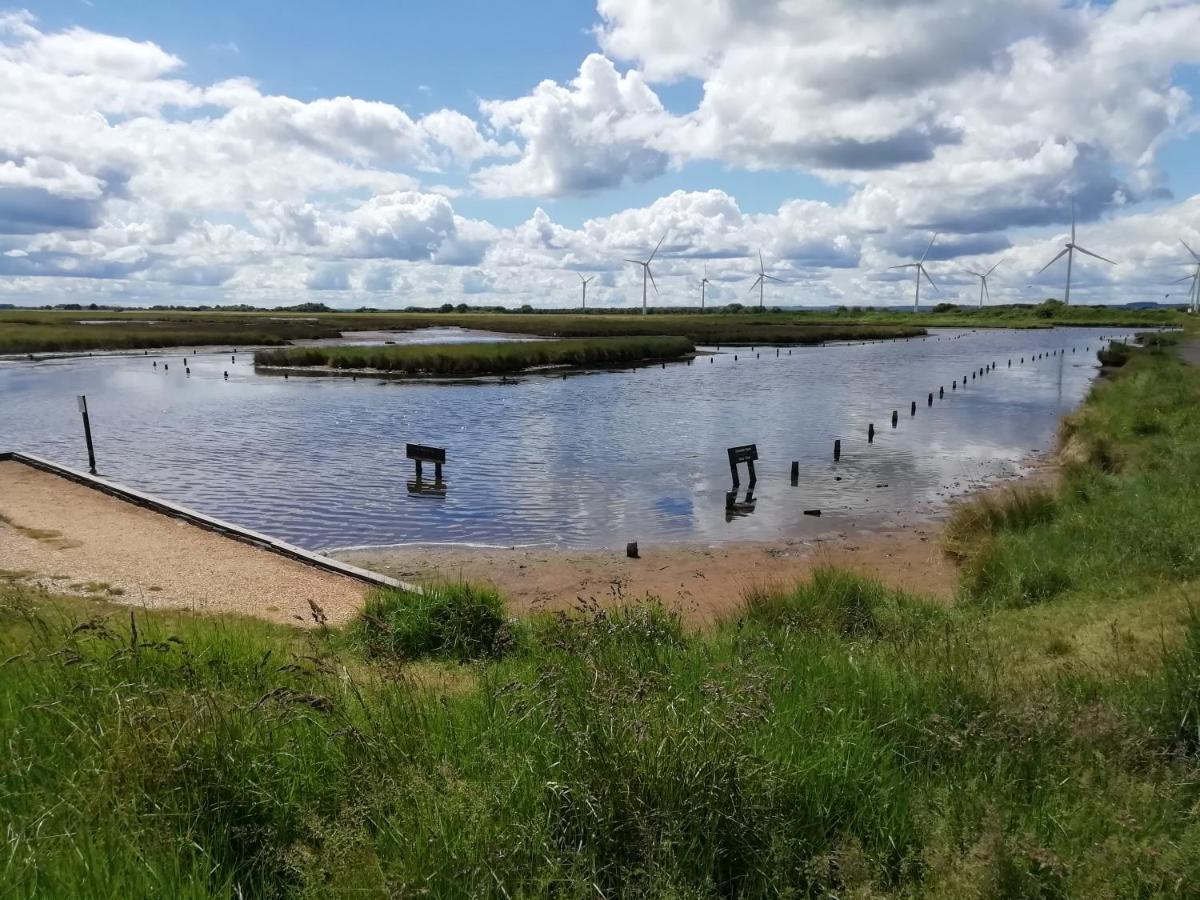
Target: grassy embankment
x=39, y=331
x=477, y=359
x=1041, y=738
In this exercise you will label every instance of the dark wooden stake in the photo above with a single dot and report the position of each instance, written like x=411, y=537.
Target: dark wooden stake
x=913, y=411
x=895, y=418
x=871, y=433
x=631, y=550
x=931, y=398
x=795, y=471
x=837, y=450
x=87, y=433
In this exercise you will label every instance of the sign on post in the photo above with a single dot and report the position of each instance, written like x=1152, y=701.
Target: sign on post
x=747, y=453
x=419, y=453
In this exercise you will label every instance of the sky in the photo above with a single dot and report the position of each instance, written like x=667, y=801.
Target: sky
x=413, y=154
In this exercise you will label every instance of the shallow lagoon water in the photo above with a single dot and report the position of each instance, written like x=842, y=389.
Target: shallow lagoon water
x=590, y=461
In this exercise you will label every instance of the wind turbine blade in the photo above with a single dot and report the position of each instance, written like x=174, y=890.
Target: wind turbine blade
x=1190, y=250
x=993, y=268
x=1183, y=279
x=773, y=278
x=656, y=246
x=986, y=292
x=1072, y=220
x=927, y=278
x=976, y=274
x=636, y=262
x=1096, y=255
x=761, y=268
x=930, y=247
x=650, y=272
x=753, y=286
x=1063, y=252
x=905, y=266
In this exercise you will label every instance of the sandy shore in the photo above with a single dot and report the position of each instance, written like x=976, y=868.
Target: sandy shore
x=74, y=539
x=702, y=582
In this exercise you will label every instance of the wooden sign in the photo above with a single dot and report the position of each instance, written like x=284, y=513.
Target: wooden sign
x=420, y=453
x=425, y=454
x=747, y=454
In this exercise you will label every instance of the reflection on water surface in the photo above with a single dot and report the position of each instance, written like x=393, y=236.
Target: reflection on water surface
x=592, y=460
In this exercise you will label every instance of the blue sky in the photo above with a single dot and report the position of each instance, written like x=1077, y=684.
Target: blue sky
x=481, y=137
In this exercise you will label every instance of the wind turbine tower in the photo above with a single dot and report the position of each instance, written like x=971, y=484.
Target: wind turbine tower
x=704, y=282
x=919, y=265
x=762, y=279
x=983, y=277
x=1194, y=297
x=1069, y=251
x=646, y=273
x=584, y=282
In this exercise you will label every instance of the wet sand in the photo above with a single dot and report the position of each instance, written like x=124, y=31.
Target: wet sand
x=72, y=539
x=702, y=582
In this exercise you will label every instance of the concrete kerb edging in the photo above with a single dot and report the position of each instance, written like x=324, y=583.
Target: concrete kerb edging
x=208, y=523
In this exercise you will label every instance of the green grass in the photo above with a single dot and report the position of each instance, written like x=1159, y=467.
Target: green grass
x=479, y=359
x=834, y=738
x=47, y=331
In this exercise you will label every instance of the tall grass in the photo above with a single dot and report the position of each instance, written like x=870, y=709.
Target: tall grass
x=1125, y=517
x=480, y=358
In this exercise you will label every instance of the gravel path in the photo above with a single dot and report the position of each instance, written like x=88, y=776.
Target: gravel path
x=1189, y=352
x=76, y=539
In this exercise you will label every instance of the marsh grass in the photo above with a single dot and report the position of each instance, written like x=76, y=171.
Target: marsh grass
x=835, y=738
x=479, y=358
x=450, y=621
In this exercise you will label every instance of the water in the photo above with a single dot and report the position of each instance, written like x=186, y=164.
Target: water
x=590, y=461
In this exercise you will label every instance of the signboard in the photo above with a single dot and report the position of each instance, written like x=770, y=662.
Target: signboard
x=426, y=454
x=747, y=453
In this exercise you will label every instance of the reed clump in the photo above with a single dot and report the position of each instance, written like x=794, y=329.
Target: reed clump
x=479, y=358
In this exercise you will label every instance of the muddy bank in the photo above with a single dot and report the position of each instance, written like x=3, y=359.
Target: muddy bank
x=702, y=582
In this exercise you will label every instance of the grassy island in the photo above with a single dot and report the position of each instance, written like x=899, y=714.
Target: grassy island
x=478, y=358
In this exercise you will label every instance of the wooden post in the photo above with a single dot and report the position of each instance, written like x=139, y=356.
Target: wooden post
x=837, y=450
x=795, y=471
x=931, y=398
x=895, y=418
x=871, y=433
x=913, y=411
x=941, y=391
x=87, y=433
x=631, y=550
x=954, y=385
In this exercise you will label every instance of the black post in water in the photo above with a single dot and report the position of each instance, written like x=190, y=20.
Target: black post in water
x=941, y=391
x=895, y=418
x=837, y=450
x=87, y=433
x=871, y=433
x=931, y=398
x=795, y=471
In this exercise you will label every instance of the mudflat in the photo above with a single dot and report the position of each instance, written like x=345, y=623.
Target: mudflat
x=702, y=582
x=72, y=538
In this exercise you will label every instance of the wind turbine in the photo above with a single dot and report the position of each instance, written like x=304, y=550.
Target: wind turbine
x=585, y=281
x=762, y=279
x=1194, y=304
x=1193, y=278
x=704, y=282
x=983, y=277
x=919, y=265
x=646, y=273
x=1069, y=252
